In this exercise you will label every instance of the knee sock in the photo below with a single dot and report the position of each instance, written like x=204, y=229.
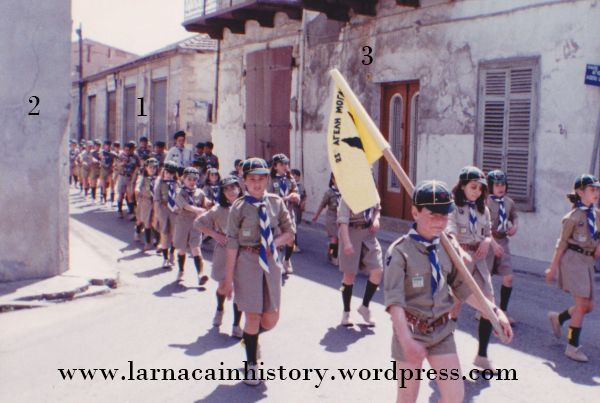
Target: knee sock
x=130, y=207
x=148, y=235
x=288, y=252
x=156, y=236
x=251, y=343
x=330, y=250
x=70, y=180
x=220, y=301
x=165, y=253
x=237, y=315
x=138, y=228
x=198, y=264
x=172, y=251
x=573, y=336
x=85, y=191
x=369, y=292
x=564, y=316
x=181, y=262
x=346, y=296
x=93, y=192
x=120, y=205
x=112, y=197
x=504, y=297
x=334, y=250
x=485, y=331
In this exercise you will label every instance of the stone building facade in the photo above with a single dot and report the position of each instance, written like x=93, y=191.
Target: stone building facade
x=450, y=83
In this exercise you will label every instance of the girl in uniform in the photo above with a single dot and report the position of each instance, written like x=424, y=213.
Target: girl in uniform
x=573, y=261
x=331, y=200
x=165, y=192
x=470, y=223
x=107, y=160
x=190, y=202
x=258, y=224
x=214, y=224
x=116, y=149
x=85, y=159
x=283, y=185
x=361, y=249
x=144, y=194
x=504, y=225
x=211, y=187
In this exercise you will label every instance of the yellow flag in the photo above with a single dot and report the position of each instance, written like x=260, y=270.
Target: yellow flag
x=352, y=148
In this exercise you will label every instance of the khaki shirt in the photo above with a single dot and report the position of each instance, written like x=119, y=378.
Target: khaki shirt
x=243, y=226
x=86, y=159
x=274, y=186
x=511, y=213
x=182, y=199
x=346, y=216
x=215, y=218
x=407, y=280
x=143, y=186
x=330, y=200
x=458, y=224
x=161, y=191
x=575, y=230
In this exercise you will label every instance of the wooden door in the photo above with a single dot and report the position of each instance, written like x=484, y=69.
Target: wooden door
x=397, y=121
x=268, y=91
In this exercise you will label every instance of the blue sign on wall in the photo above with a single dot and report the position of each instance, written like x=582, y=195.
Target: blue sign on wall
x=592, y=74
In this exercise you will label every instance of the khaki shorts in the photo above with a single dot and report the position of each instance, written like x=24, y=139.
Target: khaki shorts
x=105, y=175
x=94, y=173
x=166, y=220
x=367, y=252
x=254, y=290
x=85, y=173
x=331, y=224
x=501, y=266
x=438, y=343
x=144, y=211
x=481, y=275
x=576, y=274
x=184, y=234
x=218, y=263
x=124, y=184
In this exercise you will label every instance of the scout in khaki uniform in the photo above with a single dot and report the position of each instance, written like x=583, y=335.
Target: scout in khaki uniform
x=213, y=223
x=504, y=225
x=283, y=185
x=116, y=150
x=211, y=187
x=190, y=202
x=85, y=161
x=361, y=249
x=144, y=194
x=165, y=191
x=159, y=153
x=573, y=261
x=107, y=163
x=73, y=153
x=95, y=168
x=418, y=278
x=300, y=206
x=258, y=224
x=470, y=223
x=128, y=166
x=330, y=201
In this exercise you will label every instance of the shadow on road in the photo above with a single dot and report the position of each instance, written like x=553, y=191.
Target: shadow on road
x=337, y=339
x=232, y=393
x=213, y=339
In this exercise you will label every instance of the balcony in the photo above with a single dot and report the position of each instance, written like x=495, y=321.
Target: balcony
x=212, y=16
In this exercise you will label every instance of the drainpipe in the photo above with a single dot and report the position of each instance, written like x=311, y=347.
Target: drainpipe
x=300, y=106
x=216, y=97
x=80, y=85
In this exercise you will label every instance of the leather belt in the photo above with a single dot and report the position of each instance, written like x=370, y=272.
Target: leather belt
x=422, y=326
x=579, y=249
x=499, y=235
x=359, y=225
x=471, y=247
x=254, y=249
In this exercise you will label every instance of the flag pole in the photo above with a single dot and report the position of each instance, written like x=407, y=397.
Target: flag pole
x=409, y=187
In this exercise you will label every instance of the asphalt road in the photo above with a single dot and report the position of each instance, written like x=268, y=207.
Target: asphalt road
x=156, y=322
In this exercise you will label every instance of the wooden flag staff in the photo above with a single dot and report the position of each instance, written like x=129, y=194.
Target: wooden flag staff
x=409, y=187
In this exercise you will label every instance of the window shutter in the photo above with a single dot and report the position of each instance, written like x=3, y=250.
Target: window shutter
x=506, y=124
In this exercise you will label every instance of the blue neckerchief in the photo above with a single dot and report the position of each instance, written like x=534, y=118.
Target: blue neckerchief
x=591, y=218
x=502, y=218
x=431, y=246
x=266, y=232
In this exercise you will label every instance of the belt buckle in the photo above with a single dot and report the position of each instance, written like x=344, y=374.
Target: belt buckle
x=424, y=328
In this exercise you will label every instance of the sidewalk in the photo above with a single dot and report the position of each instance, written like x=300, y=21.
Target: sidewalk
x=80, y=281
